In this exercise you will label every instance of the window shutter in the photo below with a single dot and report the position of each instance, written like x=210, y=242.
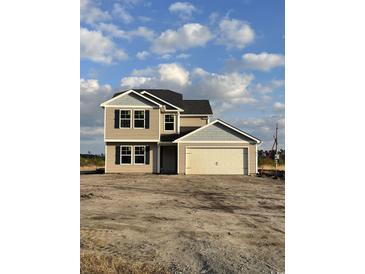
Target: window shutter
x=116, y=118
x=147, y=119
x=147, y=155
x=117, y=155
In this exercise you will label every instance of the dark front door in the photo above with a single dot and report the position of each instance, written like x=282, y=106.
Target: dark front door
x=168, y=157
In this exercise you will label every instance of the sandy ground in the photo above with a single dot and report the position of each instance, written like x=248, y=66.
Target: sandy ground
x=190, y=224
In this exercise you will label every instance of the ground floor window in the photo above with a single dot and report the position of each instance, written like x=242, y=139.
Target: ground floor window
x=139, y=154
x=126, y=155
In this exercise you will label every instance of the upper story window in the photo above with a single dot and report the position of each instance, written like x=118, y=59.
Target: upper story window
x=139, y=119
x=169, y=122
x=125, y=118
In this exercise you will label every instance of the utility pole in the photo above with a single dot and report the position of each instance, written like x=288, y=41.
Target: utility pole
x=275, y=149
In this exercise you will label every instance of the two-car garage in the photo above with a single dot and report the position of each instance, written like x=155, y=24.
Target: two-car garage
x=217, y=148
x=216, y=160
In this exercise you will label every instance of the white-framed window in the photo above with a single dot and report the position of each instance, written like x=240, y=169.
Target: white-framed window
x=169, y=122
x=139, y=155
x=139, y=118
x=125, y=118
x=125, y=155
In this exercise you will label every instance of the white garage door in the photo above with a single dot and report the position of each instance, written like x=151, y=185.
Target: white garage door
x=216, y=161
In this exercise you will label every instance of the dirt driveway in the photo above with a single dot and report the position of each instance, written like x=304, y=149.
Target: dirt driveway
x=189, y=224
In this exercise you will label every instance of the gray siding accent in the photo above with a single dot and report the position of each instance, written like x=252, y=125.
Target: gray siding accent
x=131, y=100
x=216, y=132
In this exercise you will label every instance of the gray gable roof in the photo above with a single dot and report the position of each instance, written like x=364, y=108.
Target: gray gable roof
x=176, y=99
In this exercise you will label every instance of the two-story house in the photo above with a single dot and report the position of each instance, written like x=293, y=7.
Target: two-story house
x=157, y=131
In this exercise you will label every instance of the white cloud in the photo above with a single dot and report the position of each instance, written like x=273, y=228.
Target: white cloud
x=143, y=32
x=235, y=33
x=166, y=56
x=188, y=36
x=142, y=55
x=91, y=131
x=120, y=12
x=113, y=31
x=92, y=94
x=174, y=73
x=279, y=106
x=263, y=128
x=183, y=56
x=213, y=17
x=263, y=61
x=144, y=19
x=98, y=48
x=90, y=13
x=230, y=85
x=267, y=87
x=183, y=9
x=163, y=76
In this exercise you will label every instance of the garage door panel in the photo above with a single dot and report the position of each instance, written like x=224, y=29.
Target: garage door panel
x=214, y=161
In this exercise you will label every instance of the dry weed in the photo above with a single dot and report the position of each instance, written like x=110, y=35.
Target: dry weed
x=92, y=263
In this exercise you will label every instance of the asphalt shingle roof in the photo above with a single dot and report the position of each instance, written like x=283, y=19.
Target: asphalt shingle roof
x=176, y=99
x=197, y=107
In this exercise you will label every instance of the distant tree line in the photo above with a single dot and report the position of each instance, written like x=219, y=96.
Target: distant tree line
x=267, y=157
x=92, y=159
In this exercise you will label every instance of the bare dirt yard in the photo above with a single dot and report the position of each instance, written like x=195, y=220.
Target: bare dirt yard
x=184, y=224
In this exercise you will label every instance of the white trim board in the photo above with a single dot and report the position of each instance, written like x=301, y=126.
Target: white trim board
x=196, y=115
x=132, y=140
x=214, y=142
x=128, y=106
x=126, y=93
x=180, y=140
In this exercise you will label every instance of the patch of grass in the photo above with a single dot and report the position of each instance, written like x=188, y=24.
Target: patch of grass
x=92, y=263
x=92, y=160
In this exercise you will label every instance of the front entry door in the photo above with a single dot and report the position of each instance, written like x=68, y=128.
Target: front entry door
x=168, y=157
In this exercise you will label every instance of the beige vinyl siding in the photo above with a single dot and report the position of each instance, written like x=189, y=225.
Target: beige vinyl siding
x=162, y=123
x=130, y=133
x=193, y=121
x=251, y=153
x=111, y=167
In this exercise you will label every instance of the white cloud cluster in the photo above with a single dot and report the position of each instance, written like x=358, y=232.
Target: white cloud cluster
x=264, y=128
x=165, y=75
x=121, y=13
x=183, y=56
x=188, y=36
x=98, y=48
x=113, y=31
x=279, y=106
x=263, y=61
x=225, y=90
x=142, y=55
x=90, y=13
x=183, y=9
x=234, y=33
x=92, y=94
x=267, y=87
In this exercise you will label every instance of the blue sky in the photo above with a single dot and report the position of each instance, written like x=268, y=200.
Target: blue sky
x=230, y=52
